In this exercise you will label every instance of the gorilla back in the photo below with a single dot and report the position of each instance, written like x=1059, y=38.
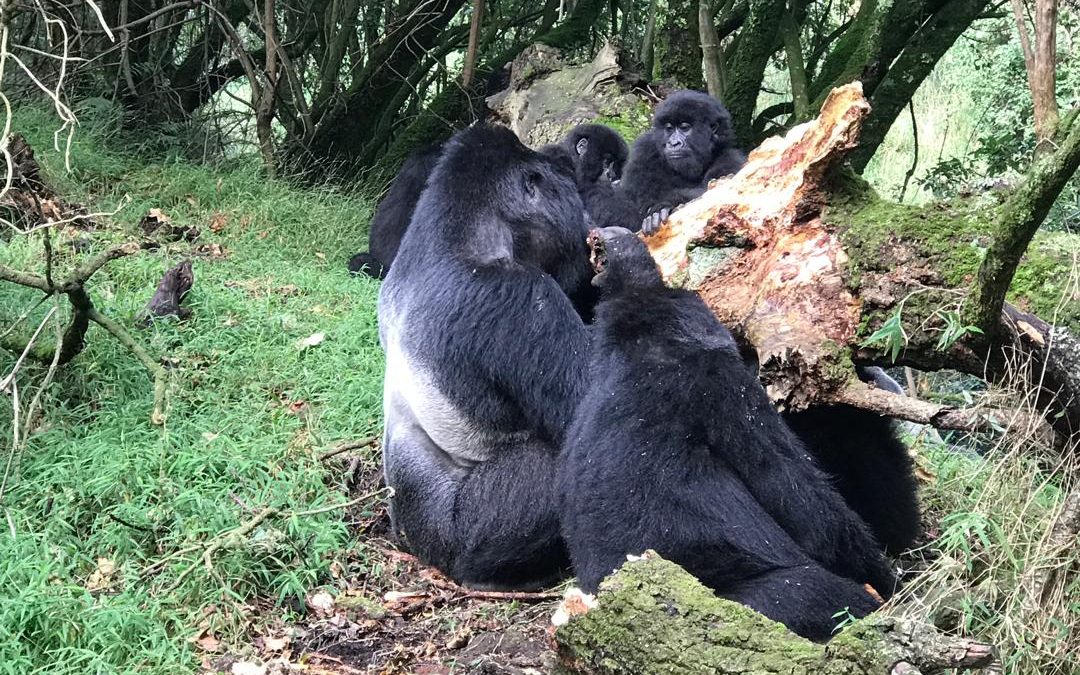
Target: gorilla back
x=676, y=447
x=485, y=358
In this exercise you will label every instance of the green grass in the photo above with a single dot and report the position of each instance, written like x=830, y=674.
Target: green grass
x=97, y=480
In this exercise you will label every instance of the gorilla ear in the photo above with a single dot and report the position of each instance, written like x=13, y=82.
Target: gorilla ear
x=582, y=146
x=531, y=182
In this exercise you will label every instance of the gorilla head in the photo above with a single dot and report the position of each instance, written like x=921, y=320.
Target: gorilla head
x=599, y=153
x=520, y=204
x=691, y=128
x=621, y=261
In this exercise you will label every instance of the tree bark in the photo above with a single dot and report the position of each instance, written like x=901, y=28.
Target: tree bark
x=648, y=44
x=895, y=86
x=1040, y=66
x=746, y=67
x=652, y=616
x=710, y=50
x=469, y=68
x=1017, y=223
x=796, y=68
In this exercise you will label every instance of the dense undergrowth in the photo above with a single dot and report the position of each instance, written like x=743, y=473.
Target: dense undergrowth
x=248, y=409
x=100, y=495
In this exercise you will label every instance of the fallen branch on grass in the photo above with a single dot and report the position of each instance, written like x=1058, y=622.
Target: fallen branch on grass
x=653, y=616
x=83, y=312
x=342, y=448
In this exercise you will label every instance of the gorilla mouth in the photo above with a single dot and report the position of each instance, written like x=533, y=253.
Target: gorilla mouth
x=597, y=251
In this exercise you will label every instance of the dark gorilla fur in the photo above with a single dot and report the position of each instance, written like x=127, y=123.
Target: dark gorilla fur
x=485, y=361
x=394, y=212
x=596, y=154
x=676, y=447
x=595, y=166
x=691, y=142
x=871, y=466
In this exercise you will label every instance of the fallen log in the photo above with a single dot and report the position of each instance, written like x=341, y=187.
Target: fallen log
x=652, y=616
x=801, y=260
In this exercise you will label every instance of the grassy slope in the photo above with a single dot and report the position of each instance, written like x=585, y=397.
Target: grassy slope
x=231, y=444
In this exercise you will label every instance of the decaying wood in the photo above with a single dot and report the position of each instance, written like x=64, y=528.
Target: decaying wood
x=758, y=249
x=654, y=617
x=779, y=281
x=169, y=294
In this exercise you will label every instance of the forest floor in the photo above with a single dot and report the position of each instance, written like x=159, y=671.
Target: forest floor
x=107, y=517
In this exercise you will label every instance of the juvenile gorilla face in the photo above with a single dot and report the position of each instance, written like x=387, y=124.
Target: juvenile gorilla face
x=601, y=153
x=689, y=127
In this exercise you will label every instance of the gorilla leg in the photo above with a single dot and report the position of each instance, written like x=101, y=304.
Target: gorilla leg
x=490, y=526
x=872, y=467
x=805, y=599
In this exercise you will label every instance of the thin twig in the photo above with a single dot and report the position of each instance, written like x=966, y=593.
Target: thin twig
x=347, y=446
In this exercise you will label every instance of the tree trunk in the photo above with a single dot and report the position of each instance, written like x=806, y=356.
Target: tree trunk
x=710, y=49
x=474, y=37
x=746, y=67
x=342, y=133
x=652, y=616
x=904, y=76
x=1041, y=67
x=800, y=95
x=648, y=44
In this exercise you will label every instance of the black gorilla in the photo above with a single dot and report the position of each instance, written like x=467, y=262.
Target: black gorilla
x=592, y=153
x=394, y=212
x=485, y=361
x=691, y=142
x=676, y=447
x=596, y=155
x=871, y=466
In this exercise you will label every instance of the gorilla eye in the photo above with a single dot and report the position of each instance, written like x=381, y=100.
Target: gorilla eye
x=668, y=126
x=684, y=126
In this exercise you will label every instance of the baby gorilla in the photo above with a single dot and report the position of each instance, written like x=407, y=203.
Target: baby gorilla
x=690, y=143
x=595, y=154
x=676, y=447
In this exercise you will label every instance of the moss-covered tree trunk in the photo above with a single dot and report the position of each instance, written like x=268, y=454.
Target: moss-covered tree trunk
x=653, y=617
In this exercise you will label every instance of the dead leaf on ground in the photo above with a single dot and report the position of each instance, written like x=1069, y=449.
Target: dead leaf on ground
x=207, y=642
x=313, y=340
x=218, y=221
x=102, y=577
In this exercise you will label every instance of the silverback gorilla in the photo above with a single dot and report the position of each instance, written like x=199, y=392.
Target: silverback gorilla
x=690, y=143
x=676, y=447
x=485, y=361
x=592, y=153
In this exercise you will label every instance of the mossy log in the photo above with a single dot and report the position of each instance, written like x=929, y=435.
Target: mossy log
x=652, y=616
